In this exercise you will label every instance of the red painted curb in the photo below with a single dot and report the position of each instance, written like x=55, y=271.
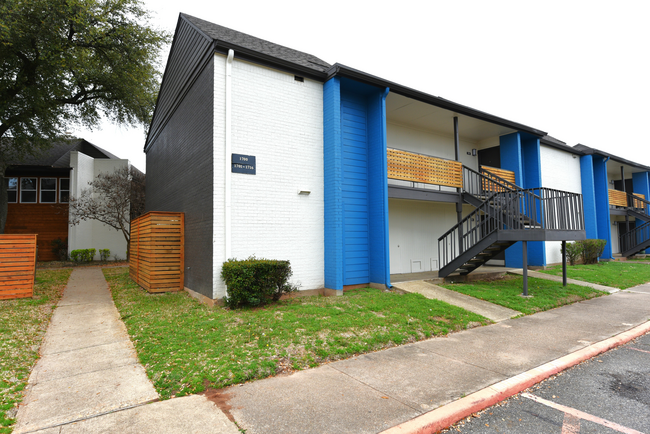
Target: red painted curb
x=442, y=417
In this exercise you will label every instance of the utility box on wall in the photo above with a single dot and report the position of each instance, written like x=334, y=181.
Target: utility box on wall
x=156, y=251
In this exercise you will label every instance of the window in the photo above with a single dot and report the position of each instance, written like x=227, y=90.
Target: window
x=12, y=189
x=28, y=190
x=64, y=190
x=48, y=190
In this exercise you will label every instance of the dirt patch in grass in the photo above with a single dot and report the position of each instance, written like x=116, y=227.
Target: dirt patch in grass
x=187, y=347
x=23, y=323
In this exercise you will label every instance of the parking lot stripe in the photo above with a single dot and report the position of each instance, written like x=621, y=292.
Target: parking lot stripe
x=637, y=349
x=581, y=415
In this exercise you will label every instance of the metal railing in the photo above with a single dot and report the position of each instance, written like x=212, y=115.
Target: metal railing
x=634, y=237
x=509, y=209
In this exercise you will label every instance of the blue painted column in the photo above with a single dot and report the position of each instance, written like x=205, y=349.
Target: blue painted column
x=589, y=196
x=512, y=159
x=379, y=252
x=641, y=185
x=532, y=174
x=333, y=174
x=603, y=221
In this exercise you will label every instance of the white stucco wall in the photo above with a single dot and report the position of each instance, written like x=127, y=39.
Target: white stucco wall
x=279, y=121
x=414, y=228
x=408, y=138
x=560, y=171
x=93, y=234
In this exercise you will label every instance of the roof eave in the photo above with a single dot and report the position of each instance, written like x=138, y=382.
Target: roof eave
x=266, y=60
x=345, y=71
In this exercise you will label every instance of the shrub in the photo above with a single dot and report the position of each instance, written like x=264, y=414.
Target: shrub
x=60, y=248
x=591, y=250
x=82, y=255
x=104, y=254
x=573, y=251
x=255, y=282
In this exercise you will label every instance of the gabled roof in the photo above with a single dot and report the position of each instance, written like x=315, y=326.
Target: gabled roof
x=58, y=155
x=228, y=37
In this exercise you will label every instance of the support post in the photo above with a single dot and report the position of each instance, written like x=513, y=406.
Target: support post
x=563, y=263
x=524, y=247
x=627, y=218
x=459, y=204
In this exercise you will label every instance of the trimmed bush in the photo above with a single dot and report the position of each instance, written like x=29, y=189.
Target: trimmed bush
x=255, y=282
x=104, y=254
x=82, y=255
x=591, y=250
x=573, y=251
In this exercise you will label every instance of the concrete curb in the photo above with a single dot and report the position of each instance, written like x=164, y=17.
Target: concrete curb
x=442, y=417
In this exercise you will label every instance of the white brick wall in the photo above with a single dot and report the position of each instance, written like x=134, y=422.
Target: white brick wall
x=280, y=121
x=562, y=172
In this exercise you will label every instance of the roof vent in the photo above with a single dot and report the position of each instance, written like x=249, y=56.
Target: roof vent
x=299, y=78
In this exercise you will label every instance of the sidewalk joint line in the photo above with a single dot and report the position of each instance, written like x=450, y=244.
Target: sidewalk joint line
x=136, y=363
x=81, y=419
x=419, y=410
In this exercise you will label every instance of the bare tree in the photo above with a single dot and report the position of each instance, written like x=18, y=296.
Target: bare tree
x=113, y=199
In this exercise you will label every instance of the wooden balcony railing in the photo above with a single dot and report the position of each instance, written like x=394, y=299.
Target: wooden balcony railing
x=617, y=198
x=409, y=166
x=626, y=200
x=508, y=175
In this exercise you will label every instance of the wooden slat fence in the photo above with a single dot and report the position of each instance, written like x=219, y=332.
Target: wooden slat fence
x=617, y=198
x=156, y=251
x=408, y=166
x=17, y=266
x=638, y=203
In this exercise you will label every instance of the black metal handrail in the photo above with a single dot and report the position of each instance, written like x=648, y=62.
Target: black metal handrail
x=499, y=179
x=521, y=210
x=633, y=200
x=482, y=186
x=634, y=237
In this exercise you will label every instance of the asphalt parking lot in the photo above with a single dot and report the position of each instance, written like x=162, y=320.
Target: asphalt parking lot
x=607, y=394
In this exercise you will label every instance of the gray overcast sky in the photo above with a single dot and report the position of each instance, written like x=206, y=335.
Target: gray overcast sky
x=579, y=70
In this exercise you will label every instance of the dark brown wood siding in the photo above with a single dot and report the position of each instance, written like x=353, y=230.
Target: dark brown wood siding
x=48, y=221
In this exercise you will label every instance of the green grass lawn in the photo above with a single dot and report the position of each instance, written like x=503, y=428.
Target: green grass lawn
x=616, y=274
x=507, y=292
x=23, y=323
x=186, y=346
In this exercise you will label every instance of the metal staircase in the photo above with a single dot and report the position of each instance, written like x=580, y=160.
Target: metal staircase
x=637, y=239
x=505, y=214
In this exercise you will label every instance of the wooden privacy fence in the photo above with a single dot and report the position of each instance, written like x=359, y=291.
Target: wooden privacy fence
x=17, y=266
x=408, y=166
x=156, y=251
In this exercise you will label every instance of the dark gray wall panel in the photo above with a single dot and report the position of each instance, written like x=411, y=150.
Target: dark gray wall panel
x=189, y=53
x=179, y=177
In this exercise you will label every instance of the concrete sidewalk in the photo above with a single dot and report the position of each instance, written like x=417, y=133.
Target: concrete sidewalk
x=374, y=392
x=89, y=380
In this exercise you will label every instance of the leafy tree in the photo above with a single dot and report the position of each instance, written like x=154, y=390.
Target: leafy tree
x=113, y=199
x=67, y=62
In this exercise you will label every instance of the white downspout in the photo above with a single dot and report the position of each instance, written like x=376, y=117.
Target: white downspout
x=228, y=162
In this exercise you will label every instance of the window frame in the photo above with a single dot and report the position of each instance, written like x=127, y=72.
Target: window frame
x=15, y=190
x=40, y=189
x=61, y=190
x=21, y=189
